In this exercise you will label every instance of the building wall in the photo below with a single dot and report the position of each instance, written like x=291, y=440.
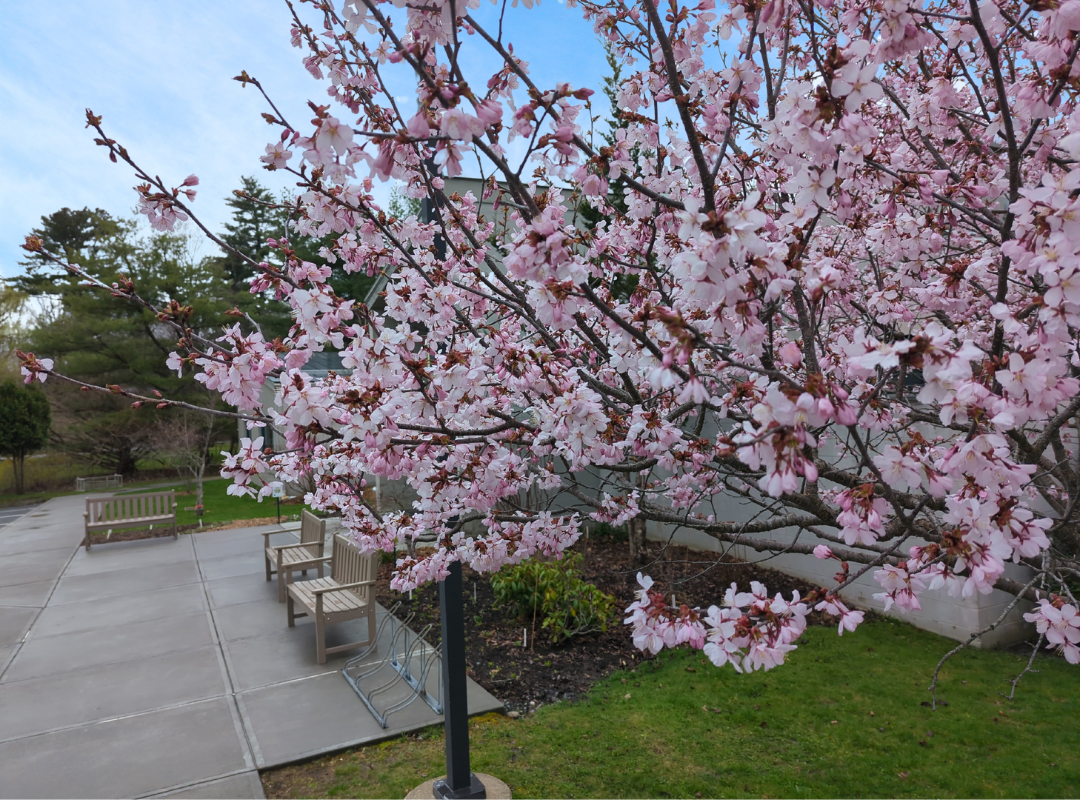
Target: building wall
x=954, y=617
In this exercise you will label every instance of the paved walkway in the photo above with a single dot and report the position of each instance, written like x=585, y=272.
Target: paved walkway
x=162, y=667
x=12, y=513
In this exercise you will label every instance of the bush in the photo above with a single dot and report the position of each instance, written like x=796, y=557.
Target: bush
x=554, y=593
x=605, y=530
x=27, y=418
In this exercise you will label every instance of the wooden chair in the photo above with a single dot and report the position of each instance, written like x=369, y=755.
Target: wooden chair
x=348, y=593
x=284, y=559
x=129, y=511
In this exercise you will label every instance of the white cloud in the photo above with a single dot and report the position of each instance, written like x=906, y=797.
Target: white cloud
x=160, y=75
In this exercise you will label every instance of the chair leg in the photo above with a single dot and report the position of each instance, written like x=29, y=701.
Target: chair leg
x=292, y=612
x=282, y=574
x=371, y=629
x=320, y=638
x=266, y=558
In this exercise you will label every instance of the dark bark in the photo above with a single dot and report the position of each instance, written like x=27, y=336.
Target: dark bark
x=19, y=468
x=636, y=530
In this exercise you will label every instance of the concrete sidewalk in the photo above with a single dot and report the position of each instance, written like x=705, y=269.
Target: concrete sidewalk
x=11, y=513
x=162, y=667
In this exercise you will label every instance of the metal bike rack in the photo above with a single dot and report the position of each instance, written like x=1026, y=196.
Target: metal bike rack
x=411, y=660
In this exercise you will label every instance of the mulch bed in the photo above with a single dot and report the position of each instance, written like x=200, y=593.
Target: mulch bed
x=136, y=534
x=525, y=678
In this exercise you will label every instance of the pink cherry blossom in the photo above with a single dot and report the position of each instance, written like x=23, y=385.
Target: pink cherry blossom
x=334, y=134
x=1059, y=622
x=834, y=288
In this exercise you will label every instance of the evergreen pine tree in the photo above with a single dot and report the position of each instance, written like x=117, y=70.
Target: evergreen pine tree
x=256, y=216
x=624, y=285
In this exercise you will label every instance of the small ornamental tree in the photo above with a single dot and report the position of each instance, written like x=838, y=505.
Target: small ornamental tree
x=186, y=437
x=841, y=282
x=24, y=426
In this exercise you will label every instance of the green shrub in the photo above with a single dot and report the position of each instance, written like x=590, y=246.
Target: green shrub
x=554, y=593
x=605, y=530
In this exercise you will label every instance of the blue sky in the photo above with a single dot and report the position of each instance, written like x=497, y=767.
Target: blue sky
x=160, y=74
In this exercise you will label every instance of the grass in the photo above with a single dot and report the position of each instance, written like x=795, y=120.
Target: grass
x=9, y=498
x=50, y=475
x=219, y=506
x=29, y=498
x=844, y=718
x=44, y=471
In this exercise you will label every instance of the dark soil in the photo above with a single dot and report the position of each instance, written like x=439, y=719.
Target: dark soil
x=129, y=535
x=526, y=677
x=134, y=534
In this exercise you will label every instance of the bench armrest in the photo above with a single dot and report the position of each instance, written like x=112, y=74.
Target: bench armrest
x=298, y=544
x=343, y=586
x=311, y=562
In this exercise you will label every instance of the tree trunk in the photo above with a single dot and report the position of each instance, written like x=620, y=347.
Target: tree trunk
x=126, y=462
x=199, y=490
x=636, y=531
x=18, y=466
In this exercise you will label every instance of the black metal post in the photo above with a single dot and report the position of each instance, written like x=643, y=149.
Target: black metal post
x=460, y=782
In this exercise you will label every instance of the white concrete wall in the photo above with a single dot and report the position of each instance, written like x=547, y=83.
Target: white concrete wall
x=954, y=617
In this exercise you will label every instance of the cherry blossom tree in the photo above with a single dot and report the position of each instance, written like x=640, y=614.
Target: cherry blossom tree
x=851, y=232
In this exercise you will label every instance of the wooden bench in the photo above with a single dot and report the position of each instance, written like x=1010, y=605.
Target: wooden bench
x=99, y=482
x=282, y=560
x=348, y=593
x=129, y=511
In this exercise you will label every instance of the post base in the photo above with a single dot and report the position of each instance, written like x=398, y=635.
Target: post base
x=489, y=787
x=475, y=789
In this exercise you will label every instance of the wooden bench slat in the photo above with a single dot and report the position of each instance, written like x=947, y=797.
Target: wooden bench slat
x=345, y=600
x=347, y=566
x=107, y=513
x=299, y=554
x=133, y=519
x=280, y=562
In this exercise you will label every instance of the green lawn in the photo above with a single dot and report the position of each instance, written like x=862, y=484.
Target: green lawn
x=50, y=475
x=219, y=506
x=29, y=498
x=9, y=498
x=47, y=474
x=844, y=718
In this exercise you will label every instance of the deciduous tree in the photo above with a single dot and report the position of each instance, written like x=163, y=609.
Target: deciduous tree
x=102, y=338
x=24, y=426
x=185, y=437
x=853, y=232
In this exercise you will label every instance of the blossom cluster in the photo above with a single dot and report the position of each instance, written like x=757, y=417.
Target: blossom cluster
x=1059, y=622
x=823, y=266
x=751, y=631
